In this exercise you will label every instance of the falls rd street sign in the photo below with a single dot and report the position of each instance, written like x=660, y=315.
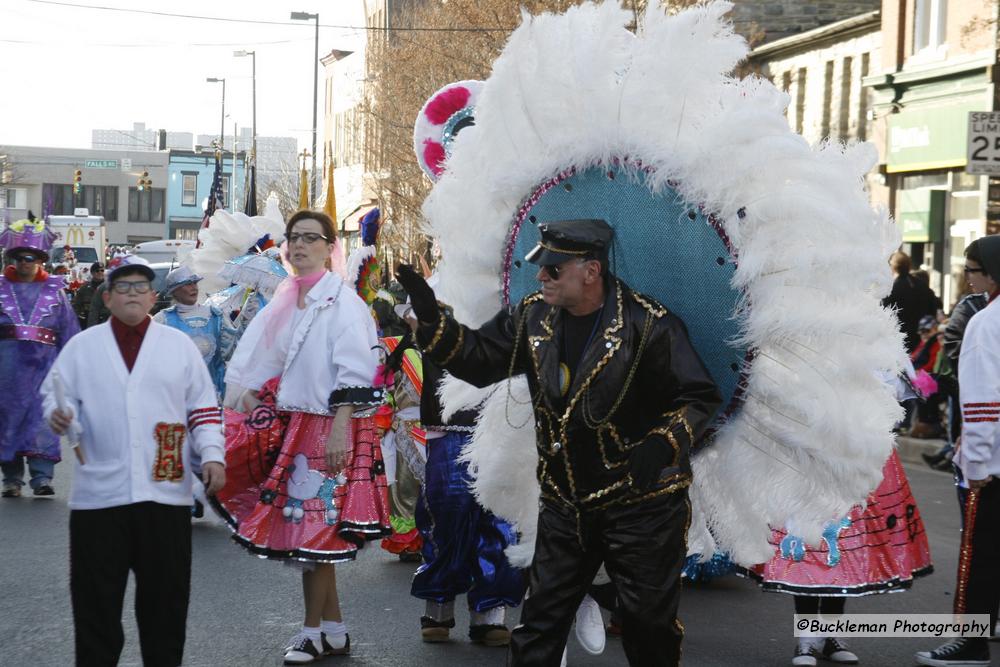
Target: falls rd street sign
x=100, y=164
x=983, y=143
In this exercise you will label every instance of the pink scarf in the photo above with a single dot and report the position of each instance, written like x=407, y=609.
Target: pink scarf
x=291, y=293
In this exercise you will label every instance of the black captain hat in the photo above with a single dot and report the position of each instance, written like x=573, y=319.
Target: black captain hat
x=563, y=240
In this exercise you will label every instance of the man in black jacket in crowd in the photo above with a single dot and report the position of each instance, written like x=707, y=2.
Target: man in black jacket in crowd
x=620, y=397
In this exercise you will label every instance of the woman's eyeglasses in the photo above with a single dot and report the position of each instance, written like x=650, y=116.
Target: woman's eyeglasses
x=969, y=269
x=306, y=237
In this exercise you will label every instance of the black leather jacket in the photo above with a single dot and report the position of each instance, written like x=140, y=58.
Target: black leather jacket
x=639, y=378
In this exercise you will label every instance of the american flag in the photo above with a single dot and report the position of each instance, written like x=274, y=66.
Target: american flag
x=215, y=198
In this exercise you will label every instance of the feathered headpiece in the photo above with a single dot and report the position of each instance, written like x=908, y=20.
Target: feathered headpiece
x=29, y=234
x=362, y=265
x=443, y=116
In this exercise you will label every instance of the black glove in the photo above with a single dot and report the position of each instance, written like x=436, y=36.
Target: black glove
x=425, y=305
x=648, y=460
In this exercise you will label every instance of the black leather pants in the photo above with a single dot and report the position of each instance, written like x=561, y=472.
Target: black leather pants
x=642, y=547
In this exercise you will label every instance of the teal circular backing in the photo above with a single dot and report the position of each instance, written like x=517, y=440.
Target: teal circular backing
x=664, y=247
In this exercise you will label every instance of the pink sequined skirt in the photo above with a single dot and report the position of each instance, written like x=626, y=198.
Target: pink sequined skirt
x=297, y=511
x=880, y=548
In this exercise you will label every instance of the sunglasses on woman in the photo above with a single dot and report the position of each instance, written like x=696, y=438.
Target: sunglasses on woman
x=969, y=269
x=306, y=237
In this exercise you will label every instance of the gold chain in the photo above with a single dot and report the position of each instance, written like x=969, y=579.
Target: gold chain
x=588, y=416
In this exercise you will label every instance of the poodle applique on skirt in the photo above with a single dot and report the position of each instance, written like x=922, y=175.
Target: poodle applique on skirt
x=280, y=500
x=879, y=548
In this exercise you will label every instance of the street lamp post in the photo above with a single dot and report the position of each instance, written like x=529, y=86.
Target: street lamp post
x=253, y=132
x=222, y=126
x=306, y=16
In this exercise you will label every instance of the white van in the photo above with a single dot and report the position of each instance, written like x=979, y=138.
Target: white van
x=163, y=251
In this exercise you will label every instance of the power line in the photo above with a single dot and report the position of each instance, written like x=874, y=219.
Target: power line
x=149, y=45
x=261, y=21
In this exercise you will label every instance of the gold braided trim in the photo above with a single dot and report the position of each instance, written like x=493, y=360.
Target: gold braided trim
x=438, y=333
x=654, y=308
x=543, y=244
x=534, y=297
x=683, y=481
x=597, y=495
x=609, y=428
x=456, y=347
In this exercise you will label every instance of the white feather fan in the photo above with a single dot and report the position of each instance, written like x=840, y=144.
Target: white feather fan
x=577, y=89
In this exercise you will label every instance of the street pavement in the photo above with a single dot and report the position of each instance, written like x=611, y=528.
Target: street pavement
x=243, y=608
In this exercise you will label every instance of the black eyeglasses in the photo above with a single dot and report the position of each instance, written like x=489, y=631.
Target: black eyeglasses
x=26, y=258
x=124, y=287
x=307, y=237
x=969, y=269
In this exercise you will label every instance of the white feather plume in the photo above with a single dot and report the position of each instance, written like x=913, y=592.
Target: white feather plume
x=230, y=235
x=578, y=89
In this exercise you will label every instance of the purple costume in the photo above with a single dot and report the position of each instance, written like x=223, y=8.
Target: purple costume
x=36, y=320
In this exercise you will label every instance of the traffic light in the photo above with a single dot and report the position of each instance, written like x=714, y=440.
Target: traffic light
x=77, y=182
x=145, y=182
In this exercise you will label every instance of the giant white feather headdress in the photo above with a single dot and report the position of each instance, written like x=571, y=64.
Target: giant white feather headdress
x=575, y=98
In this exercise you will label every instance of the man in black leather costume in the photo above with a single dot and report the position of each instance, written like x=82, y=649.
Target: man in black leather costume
x=620, y=397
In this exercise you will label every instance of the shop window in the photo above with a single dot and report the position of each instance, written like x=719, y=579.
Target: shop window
x=929, y=19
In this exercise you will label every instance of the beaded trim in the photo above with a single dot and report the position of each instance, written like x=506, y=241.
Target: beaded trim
x=965, y=551
x=563, y=252
x=438, y=333
x=356, y=395
x=456, y=348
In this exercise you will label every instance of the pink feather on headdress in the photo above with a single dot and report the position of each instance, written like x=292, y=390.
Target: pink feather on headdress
x=443, y=106
x=434, y=156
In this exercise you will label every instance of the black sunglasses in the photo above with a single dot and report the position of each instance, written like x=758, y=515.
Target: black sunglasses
x=969, y=269
x=26, y=258
x=554, y=270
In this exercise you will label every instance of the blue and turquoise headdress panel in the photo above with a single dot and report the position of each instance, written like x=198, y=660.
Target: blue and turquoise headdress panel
x=664, y=247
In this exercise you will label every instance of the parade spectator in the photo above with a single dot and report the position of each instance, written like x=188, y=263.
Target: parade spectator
x=85, y=294
x=98, y=312
x=951, y=346
x=140, y=436
x=36, y=321
x=978, y=458
x=910, y=297
x=927, y=357
x=630, y=513
x=311, y=353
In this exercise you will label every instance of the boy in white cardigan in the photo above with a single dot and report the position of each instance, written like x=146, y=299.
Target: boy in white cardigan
x=142, y=435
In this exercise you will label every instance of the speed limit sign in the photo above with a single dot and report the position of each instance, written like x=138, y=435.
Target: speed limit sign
x=984, y=143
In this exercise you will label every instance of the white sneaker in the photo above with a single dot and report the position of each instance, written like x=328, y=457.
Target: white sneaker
x=806, y=652
x=590, y=626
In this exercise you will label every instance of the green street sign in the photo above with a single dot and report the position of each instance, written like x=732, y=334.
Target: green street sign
x=100, y=164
